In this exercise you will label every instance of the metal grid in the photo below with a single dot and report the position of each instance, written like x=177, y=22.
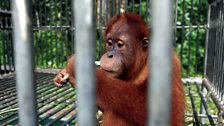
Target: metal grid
x=6, y=57
x=53, y=31
x=201, y=106
x=56, y=106
x=215, y=48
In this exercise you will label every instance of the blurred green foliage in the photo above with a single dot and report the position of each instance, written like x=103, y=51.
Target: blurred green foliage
x=190, y=42
x=190, y=34
x=54, y=32
x=54, y=36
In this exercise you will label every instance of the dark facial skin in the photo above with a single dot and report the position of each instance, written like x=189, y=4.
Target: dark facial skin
x=119, y=52
x=122, y=78
x=125, y=40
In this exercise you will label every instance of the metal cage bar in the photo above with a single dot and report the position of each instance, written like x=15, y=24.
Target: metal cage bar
x=214, y=63
x=159, y=94
x=85, y=56
x=23, y=38
x=45, y=27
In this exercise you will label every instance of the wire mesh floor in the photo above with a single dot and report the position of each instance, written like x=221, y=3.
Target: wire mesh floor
x=57, y=106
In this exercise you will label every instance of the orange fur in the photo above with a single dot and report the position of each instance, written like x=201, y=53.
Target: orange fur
x=123, y=99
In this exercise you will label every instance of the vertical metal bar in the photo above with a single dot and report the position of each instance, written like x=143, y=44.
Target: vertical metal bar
x=182, y=31
x=175, y=22
x=4, y=50
x=12, y=46
x=72, y=30
x=35, y=38
x=37, y=23
x=197, y=39
x=56, y=37
x=101, y=24
x=85, y=55
x=222, y=57
x=159, y=95
x=7, y=44
x=1, y=51
x=215, y=48
x=46, y=56
x=218, y=35
x=67, y=41
x=202, y=109
x=7, y=49
x=190, y=42
x=51, y=38
x=209, y=45
x=40, y=32
x=107, y=10
x=62, y=43
x=195, y=114
x=23, y=38
x=221, y=50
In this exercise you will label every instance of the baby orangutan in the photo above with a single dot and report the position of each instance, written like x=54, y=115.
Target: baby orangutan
x=123, y=75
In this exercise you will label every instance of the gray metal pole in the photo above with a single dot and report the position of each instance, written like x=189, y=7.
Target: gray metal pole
x=203, y=89
x=159, y=95
x=85, y=56
x=23, y=40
